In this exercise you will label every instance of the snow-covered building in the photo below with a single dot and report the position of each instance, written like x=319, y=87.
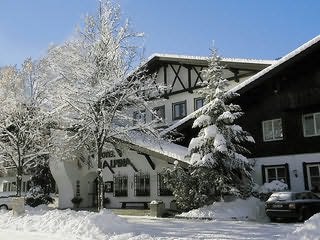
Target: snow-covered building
x=282, y=112
x=132, y=169
x=132, y=174
x=182, y=76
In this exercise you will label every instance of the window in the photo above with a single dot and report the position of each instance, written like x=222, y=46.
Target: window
x=108, y=187
x=160, y=112
x=313, y=176
x=5, y=187
x=179, y=110
x=311, y=124
x=198, y=103
x=276, y=172
x=139, y=116
x=163, y=189
x=272, y=130
x=120, y=186
x=142, y=184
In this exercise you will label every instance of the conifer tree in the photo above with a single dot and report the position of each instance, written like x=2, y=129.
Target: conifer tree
x=218, y=148
x=217, y=163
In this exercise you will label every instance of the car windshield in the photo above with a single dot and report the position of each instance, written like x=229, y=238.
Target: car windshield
x=280, y=197
x=306, y=195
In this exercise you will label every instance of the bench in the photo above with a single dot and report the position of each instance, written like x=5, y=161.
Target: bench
x=144, y=204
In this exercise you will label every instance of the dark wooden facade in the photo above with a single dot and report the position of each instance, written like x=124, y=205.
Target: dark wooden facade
x=289, y=93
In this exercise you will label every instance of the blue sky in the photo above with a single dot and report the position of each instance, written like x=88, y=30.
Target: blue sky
x=246, y=28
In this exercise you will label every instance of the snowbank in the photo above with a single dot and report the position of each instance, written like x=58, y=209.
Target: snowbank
x=308, y=231
x=86, y=225
x=274, y=186
x=249, y=209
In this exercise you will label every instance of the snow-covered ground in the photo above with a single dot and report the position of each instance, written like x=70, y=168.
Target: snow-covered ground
x=231, y=220
x=250, y=209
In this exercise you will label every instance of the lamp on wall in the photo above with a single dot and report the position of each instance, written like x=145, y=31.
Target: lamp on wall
x=295, y=172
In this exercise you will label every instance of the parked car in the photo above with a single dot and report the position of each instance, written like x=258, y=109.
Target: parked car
x=6, y=202
x=292, y=205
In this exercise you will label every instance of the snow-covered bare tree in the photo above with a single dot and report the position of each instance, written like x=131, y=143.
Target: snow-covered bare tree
x=96, y=91
x=24, y=129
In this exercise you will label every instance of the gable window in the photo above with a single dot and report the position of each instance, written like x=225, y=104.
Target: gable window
x=272, y=130
x=163, y=189
x=311, y=124
x=198, y=103
x=139, y=116
x=160, y=112
x=179, y=110
x=276, y=172
x=120, y=186
x=142, y=184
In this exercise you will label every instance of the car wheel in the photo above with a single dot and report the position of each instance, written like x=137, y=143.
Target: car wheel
x=304, y=214
x=3, y=207
x=273, y=219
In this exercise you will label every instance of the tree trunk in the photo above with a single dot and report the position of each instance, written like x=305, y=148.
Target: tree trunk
x=100, y=181
x=19, y=180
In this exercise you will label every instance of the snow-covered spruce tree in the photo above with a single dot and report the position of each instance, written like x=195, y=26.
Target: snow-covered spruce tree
x=24, y=126
x=218, y=150
x=95, y=93
x=217, y=165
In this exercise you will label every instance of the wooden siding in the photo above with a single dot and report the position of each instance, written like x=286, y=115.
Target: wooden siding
x=287, y=95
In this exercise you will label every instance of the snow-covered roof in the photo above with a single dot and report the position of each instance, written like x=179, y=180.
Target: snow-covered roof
x=205, y=58
x=278, y=63
x=252, y=79
x=153, y=145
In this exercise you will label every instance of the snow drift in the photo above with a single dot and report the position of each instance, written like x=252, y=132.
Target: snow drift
x=249, y=209
x=86, y=225
x=308, y=231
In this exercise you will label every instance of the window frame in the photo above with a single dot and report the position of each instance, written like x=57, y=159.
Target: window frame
x=173, y=110
x=121, y=181
x=139, y=190
x=273, y=130
x=265, y=178
x=314, y=124
x=306, y=173
x=139, y=116
x=162, y=190
x=195, y=103
x=155, y=109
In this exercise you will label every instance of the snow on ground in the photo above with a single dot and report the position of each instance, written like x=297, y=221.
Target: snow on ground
x=43, y=223
x=70, y=225
x=308, y=231
x=67, y=224
x=249, y=209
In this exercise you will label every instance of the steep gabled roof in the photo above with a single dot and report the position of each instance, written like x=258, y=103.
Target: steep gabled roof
x=260, y=76
x=254, y=64
x=160, y=148
x=277, y=66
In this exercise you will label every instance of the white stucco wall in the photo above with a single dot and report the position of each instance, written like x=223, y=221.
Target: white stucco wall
x=142, y=166
x=295, y=163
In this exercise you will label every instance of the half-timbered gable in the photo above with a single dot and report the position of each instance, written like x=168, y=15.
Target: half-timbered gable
x=182, y=76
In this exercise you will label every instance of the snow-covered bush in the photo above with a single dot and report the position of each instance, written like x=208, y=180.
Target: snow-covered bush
x=36, y=197
x=263, y=192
